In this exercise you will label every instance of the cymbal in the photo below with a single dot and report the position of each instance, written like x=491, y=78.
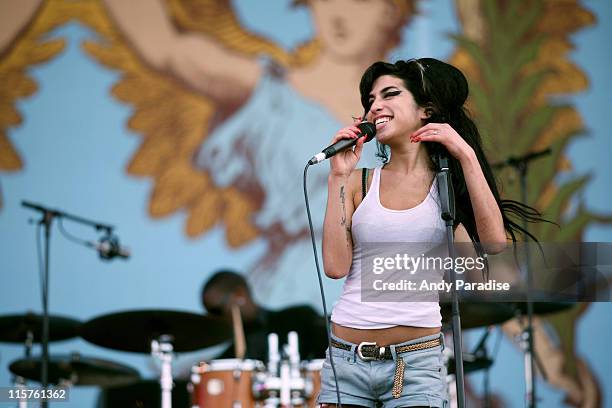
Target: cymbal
x=77, y=370
x=543, y=308
x=15, y=328
x=477, y=314
x=471, y=363
x=134, y=330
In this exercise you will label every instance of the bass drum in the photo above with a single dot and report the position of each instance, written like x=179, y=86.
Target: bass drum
x=224, y=383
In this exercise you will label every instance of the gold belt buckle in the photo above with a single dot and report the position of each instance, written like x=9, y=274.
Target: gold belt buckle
x=359, y=350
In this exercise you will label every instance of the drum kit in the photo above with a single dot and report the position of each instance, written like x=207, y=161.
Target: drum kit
x=284, y=380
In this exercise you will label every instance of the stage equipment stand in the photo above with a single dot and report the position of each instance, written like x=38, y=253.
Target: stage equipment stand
x=162, y=349
x=447, y=203
x=521, y=164
x=46, y=220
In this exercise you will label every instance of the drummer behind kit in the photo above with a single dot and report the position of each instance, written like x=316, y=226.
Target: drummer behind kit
x=285, y=381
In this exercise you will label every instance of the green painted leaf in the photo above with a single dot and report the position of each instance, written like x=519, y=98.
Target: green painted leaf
x=474, y=50
x=522, y=95
x=565, y=193
x=526, y=54
x=526, y=21
x=533, y=126
x=543, y=171
x=572, y=229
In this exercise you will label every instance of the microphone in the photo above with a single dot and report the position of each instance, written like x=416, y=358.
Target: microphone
x=109, y=248
x=368, y=130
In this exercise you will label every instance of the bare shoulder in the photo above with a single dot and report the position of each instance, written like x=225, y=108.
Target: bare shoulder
x=357, y=184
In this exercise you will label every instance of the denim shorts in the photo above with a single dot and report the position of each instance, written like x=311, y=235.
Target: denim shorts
x=370, y=383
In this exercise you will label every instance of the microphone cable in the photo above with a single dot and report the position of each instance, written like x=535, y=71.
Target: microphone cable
x=69, y=236
x=316, y=259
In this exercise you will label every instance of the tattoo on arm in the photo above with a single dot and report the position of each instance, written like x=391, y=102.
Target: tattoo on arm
x=343, y=221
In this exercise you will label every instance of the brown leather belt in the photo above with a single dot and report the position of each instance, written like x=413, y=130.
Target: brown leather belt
x=368, y=351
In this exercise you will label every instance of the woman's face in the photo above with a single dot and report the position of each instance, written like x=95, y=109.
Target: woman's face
x=393, y=109
x=352, y=28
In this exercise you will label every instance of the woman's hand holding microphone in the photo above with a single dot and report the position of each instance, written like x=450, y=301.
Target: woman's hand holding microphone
x=344, y=162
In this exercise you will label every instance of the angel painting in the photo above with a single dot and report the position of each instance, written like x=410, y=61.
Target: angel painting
x=230, y=119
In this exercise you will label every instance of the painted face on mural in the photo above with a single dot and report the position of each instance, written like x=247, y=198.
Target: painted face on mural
x=350, y=28
x=393, y=109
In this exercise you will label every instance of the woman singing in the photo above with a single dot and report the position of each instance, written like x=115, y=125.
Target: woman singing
x=391, y=352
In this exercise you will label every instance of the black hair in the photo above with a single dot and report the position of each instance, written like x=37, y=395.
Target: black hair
x=226, y=281
x=442, y=90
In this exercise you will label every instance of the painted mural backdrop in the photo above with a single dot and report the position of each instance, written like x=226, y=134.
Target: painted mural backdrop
x=226, y=117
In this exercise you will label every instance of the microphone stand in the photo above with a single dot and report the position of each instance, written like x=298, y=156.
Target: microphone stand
x=447, y=203
x=521, y=163
x=48, y=215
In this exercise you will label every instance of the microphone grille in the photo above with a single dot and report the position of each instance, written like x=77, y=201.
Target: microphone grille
x=368, y=129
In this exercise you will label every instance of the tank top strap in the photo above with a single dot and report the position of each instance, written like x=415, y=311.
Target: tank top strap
x=375, y=186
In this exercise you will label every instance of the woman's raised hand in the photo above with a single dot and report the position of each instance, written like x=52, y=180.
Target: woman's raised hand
x=444, y=133
x=343, y=163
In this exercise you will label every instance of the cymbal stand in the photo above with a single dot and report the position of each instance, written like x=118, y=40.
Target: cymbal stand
x=269, y=381
x=296, y=385
x=530, y=383
x=162, y=349
x=480, y=351
x=521, y=164
x=19, y=381
x=529, y=355
x=284, y=384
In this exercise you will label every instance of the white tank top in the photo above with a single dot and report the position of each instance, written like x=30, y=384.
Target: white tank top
x=373, y=223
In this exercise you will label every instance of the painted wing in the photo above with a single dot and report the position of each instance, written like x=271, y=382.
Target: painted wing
x=217, y=18
x=173, y=121
x=27, y=49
